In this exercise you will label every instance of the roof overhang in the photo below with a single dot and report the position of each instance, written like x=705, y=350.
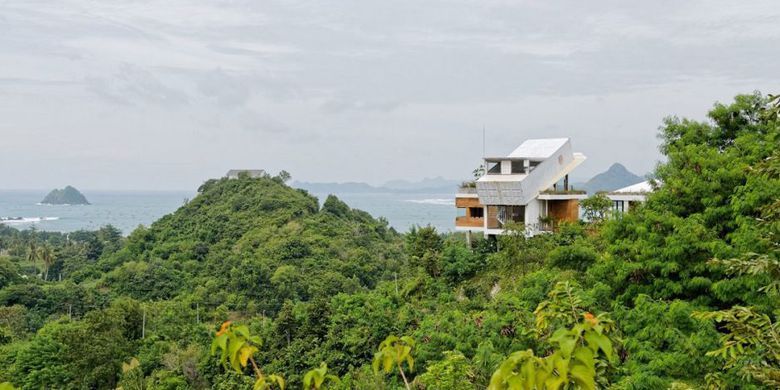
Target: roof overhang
x=544, y=196
x=578, y=158
x=499, y=159
x=503, y=178
x=627, y=197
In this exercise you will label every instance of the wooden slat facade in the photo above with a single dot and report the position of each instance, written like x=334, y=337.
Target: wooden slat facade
x=492, y=217
x=564, y=210
x=467, y=202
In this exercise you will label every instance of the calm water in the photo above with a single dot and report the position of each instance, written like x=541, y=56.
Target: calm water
x=404, y=210
x=125, y=210
x=128, y=209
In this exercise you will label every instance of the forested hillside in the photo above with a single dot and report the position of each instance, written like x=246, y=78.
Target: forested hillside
x=681, y=292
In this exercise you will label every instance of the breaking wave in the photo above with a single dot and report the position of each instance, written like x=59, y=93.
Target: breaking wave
x=440, y=202
x=25, y=220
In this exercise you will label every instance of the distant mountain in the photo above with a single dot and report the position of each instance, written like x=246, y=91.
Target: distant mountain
x=434, y=185
x=67, y=195
x=617, y=176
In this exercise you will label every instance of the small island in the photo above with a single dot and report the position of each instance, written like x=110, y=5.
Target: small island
x=67, y=195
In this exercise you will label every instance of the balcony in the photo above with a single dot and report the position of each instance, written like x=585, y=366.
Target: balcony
x=469, y=222
x=554, y=194
x=463, y=190
x=572, y=192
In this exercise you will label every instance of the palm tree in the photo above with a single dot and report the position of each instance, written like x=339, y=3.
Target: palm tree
x=47, y=256
x=32, y=253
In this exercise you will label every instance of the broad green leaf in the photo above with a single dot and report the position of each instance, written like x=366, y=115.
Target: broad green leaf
x=7, y=386
x=242, y=330
x=377, y=362
x=279, y=380
x=245, y=353
x=308, y=379
x=583, y=377
x=599, y=341
x=233, y=347
x=219, y=342
x=387, y=363
x=585, y=356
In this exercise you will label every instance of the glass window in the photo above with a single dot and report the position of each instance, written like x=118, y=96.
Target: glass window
x=518, y=166
x=494, y=168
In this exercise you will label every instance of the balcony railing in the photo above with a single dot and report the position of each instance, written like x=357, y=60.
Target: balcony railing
x=467, y=190
x=563, y=192
x=469, y=222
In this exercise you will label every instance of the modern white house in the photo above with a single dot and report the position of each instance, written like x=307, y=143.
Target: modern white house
x=530, y=186
x=625, y=198
x=251, y=173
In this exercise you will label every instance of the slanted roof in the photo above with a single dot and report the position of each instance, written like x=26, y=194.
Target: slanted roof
x=635, y=188
x=538, y=148
x=578, y=159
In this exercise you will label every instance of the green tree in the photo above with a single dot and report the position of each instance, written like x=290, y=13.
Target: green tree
x=283, y=176
x=32, y=252
x=9, y=273
x=132, y=376
x=596, y=207
x=46, y=255
x=451, y=373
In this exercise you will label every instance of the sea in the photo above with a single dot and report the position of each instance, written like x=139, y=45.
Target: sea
x=126, y=210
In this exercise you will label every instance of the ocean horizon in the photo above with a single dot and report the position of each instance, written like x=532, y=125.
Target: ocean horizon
x=127, y=209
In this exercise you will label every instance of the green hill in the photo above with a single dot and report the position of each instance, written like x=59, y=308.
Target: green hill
x=67, y=195
x=261, y=238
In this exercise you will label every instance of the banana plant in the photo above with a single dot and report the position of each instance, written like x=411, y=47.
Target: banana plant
x=236, y=346
x=393, y=353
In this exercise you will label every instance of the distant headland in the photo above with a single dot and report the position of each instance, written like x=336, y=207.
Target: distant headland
x=67, y=195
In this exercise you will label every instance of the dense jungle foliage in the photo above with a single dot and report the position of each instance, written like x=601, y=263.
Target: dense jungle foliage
x=681, y=292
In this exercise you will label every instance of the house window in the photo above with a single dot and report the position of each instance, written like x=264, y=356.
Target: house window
x=516, y=213
x=494, y=168
x=518, y=166
x=506, y=214
x=476, y=212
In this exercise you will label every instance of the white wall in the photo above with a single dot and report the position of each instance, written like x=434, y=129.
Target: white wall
x=506, y=167
x=540, y=178
x=532, y=212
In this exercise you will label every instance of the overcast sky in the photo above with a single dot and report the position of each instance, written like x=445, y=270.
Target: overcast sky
x=166, y=94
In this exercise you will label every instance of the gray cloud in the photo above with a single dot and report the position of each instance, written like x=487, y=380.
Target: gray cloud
x=228, y=91
x=319, y=88
x=133, y=85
